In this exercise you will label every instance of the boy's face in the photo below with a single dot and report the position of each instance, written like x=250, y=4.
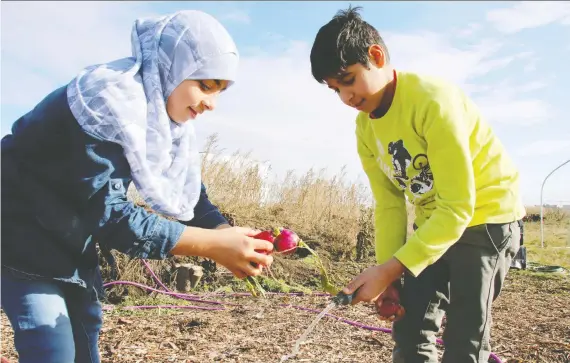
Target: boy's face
x=191, y=98
x=362, y=88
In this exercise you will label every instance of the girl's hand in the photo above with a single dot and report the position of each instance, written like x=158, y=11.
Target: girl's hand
x=234, y=248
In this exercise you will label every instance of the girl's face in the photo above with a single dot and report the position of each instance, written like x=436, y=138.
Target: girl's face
x=191, y=98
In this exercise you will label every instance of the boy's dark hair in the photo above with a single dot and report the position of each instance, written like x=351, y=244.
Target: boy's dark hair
x=342, y=42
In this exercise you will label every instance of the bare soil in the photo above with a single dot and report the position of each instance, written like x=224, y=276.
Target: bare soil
x=531, y=324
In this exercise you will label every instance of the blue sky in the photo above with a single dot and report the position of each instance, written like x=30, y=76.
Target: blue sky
x=510, y=57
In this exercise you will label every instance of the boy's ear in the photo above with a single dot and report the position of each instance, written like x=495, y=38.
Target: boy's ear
x=377, y=55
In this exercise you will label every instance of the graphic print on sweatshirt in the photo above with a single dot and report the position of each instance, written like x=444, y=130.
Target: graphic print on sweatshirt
x=410, y=173
x=401, y=159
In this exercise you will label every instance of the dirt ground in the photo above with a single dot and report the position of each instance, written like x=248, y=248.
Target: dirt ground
x=531, y=324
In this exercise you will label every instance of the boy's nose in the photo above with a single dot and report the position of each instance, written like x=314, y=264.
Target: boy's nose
x=346, y=97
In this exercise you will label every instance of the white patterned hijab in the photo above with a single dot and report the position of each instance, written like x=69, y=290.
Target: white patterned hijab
x=125, y=102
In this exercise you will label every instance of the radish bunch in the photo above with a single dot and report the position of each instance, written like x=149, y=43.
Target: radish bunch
x=388, y=308
x=284, y=241
x=388, y=304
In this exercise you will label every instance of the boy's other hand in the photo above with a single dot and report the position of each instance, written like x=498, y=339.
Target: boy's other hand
x=388, y=304
x=374, y=281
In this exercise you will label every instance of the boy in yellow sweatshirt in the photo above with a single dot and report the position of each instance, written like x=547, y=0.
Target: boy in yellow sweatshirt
x=422, y=139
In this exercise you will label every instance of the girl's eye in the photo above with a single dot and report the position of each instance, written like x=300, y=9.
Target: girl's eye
x=204, y=86
x=348, y=81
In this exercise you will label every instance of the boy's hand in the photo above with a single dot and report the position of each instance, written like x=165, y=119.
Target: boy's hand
x=374, y=281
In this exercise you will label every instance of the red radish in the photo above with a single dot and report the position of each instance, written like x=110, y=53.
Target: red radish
x=389, y=308
x=392, y=293
x=286, y=242
x=388, y=304
x=265, y=235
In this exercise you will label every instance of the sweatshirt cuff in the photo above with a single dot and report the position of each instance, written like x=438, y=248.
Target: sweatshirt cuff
x=413, y=257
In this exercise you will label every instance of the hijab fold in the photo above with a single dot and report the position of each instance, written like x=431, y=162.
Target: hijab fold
x=124, y=102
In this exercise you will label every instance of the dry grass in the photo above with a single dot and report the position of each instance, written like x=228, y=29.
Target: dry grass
x=332, y=214
x=326, y=213
x=310, y=204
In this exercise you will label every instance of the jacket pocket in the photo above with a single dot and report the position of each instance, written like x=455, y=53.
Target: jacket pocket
x=56, y=217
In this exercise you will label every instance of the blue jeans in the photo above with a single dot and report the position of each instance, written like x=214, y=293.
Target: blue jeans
x=52, y=321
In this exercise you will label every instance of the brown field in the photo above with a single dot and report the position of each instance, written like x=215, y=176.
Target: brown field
x=531, y=320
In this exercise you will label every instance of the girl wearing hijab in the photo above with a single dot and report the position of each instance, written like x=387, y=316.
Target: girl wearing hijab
x=68, y=162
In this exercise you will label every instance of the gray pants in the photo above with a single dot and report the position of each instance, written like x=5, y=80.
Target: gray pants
x=461, y=285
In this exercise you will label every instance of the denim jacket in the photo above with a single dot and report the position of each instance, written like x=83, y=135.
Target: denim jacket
x=64, y=190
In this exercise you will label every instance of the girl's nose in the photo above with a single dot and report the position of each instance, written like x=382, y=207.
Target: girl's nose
x=210, y=103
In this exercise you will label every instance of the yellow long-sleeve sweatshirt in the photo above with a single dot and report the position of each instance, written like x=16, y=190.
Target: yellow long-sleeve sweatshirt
x=434, y=147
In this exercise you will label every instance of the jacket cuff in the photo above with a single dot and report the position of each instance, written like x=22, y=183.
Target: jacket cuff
x=166, y=235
